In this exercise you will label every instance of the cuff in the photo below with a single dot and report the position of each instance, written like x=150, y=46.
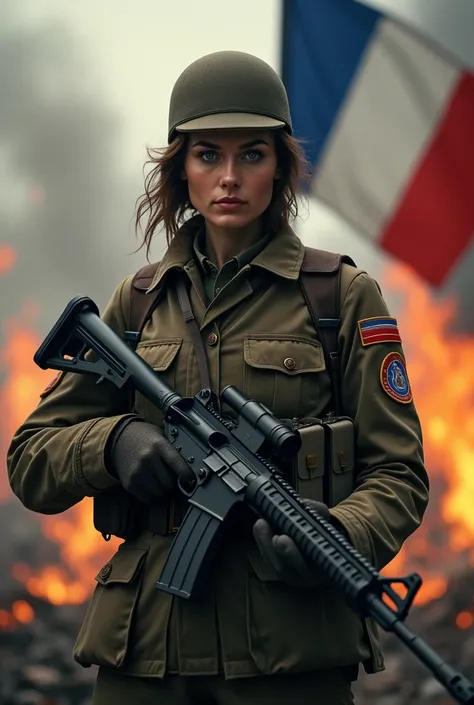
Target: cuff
x=89, y=454
x=355, y=530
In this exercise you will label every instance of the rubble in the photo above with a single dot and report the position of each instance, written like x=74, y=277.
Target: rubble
x=36, y=663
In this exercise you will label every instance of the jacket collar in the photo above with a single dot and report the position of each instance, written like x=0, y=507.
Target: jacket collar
x=283, y=255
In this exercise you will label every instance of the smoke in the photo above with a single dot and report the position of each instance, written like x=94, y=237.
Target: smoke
x=65, y=205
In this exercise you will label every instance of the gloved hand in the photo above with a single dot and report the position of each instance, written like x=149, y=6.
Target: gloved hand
x=147, y=465
x=281, y=553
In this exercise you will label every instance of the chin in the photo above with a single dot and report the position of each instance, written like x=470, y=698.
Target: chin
x=231, y=220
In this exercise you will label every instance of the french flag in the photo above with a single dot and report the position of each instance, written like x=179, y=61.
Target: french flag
x=387, y=120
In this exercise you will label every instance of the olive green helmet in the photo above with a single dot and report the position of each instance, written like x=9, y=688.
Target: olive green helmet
x=228, y=90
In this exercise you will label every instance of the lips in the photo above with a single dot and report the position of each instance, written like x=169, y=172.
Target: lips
x=230, y=201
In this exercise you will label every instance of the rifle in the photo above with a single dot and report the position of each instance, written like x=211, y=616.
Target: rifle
x=233, y=463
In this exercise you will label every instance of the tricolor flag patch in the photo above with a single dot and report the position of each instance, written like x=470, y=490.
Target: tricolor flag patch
x=379, y=330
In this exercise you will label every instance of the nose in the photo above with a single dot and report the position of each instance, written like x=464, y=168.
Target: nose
x=230, y=178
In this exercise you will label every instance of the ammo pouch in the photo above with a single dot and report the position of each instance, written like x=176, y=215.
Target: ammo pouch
x=117, y=513
x=323, y=470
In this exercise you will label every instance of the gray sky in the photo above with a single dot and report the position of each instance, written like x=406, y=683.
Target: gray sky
x=107, y=72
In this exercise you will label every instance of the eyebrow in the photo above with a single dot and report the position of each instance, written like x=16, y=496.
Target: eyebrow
x=211, y=145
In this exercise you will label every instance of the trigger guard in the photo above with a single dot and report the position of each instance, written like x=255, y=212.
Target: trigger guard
x=189, y=488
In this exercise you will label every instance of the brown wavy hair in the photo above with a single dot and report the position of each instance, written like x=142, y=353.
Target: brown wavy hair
x=165, y=201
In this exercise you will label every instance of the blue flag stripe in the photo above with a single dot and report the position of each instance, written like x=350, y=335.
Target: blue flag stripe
x=323, y=43
x=379, y=322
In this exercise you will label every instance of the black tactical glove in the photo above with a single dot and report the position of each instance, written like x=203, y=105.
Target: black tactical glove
x=281, y=553
x=146, y=464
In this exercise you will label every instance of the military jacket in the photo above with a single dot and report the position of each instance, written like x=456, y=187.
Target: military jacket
x=247, y=622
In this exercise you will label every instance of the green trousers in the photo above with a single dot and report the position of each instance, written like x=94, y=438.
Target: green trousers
x=305, y=689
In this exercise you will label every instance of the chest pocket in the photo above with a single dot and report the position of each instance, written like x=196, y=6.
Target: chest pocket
x=286, y=373
x=161, y=356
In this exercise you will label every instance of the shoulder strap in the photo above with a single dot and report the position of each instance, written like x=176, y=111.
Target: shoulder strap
x=320, y=280
x=141, y=305
x=194, y=332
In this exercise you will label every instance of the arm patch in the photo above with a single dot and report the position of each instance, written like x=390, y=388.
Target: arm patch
x=53, y=384
x=380, y=329
x=394, y=378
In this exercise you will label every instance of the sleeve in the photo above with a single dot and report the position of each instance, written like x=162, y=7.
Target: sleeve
x=391, y=489
x=57, y=456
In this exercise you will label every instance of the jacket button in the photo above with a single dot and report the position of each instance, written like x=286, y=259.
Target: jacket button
x=211, y=339
x=289, y=363
x=105, y=571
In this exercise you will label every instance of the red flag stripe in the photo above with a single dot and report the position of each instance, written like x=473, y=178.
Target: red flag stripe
x=434, y=221
x=376, y=334
x=380, y=338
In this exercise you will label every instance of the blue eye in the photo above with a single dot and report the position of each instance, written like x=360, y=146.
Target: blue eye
x=253, y=155
x=208, y=156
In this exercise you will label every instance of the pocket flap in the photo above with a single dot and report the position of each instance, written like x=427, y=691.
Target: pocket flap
x=159, y=354
x=123, y=567
x=292, y=356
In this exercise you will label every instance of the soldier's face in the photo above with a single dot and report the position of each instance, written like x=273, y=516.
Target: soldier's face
x=231, y=174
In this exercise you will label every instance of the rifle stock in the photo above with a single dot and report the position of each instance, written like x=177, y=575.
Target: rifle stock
x=232, y=463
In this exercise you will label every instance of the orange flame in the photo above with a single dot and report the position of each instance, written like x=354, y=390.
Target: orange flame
x=441, y=371
x=82, y=548
x=7, y=621
x=7, y=258
x=464, y=620
x=21, y=613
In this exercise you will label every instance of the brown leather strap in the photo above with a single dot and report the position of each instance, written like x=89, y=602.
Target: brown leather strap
x=141, y=304
x=320, y=283
x=195, y=333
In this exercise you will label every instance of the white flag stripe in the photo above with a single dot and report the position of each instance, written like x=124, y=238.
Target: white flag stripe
x=409, y=84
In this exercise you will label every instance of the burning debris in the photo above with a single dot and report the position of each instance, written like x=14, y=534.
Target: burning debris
x=36, y=635
x=36, y=664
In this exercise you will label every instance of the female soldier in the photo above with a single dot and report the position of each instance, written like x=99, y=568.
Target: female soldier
x=267, y=627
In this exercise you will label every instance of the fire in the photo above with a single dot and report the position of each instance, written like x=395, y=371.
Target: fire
x=465, y=620
x=21, y=613
x=23, y=382
x=7, y=620
x=82, y=549
x=7, y=258
x=442, y=377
